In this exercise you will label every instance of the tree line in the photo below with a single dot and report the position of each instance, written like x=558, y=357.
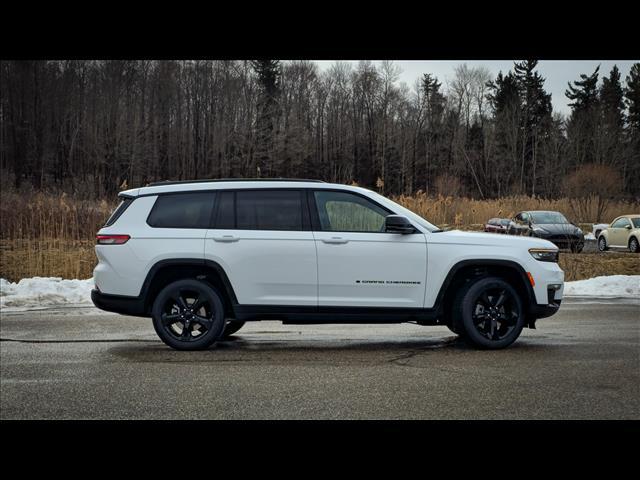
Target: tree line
x=94, y=127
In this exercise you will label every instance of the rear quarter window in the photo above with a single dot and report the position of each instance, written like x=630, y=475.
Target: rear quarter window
x=182, y=210
x=124, y=204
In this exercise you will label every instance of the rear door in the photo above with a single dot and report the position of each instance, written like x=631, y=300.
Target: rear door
x=359, y=264
x=263, y=240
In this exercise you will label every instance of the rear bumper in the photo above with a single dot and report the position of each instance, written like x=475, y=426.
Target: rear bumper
x=119, y=304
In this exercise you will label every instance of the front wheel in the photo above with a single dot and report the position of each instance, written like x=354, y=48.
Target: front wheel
x=188, y=315
x=490, y=313
x=577, y=247
x=602, y=244
x=633, y=245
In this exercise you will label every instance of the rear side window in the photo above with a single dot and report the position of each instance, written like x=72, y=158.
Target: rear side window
x=269, y=210
x=182, y=210
x=124, y=204
x=226, y=218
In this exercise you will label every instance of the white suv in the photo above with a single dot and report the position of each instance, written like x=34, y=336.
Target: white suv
x=203, y=257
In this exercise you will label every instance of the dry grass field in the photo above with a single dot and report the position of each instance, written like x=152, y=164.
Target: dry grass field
x=53, y=235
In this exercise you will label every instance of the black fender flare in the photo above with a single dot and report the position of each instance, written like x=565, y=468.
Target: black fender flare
x=194, y=262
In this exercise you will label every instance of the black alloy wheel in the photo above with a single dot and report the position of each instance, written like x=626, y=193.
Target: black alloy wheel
x=490, y=311
x=188, y=315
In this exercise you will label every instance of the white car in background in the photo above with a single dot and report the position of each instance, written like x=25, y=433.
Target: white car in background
x=598, y=228
x=624, y=233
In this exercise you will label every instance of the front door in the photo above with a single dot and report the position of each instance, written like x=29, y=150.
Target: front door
x=618, y=232
x=359, y=264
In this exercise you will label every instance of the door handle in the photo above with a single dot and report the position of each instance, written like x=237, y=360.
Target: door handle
x=336, y=240
x=226, y=238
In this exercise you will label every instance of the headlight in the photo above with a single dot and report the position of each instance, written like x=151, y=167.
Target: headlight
x=539, y=230
x=544, y=254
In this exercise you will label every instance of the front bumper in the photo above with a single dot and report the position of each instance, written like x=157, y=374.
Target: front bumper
x=563, y=241
x=133, y=306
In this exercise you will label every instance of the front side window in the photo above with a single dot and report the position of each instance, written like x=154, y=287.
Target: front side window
x=346, y=212
x=636, y=222
x=620, y=223
x=269, y=210
x=182, y=210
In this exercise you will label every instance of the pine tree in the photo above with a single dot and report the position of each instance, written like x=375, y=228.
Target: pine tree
x=632, y=97
x=269, y=74
x=584, y=92
x=536, y=105
x=611, y=99
x=583, y=123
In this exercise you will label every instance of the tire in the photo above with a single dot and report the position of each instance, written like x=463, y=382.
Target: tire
x=174, y=310
x=602, y=244
x=598, y=233
x=577, y=248
x=231, y=327
x=634, y=246
x=490, y=313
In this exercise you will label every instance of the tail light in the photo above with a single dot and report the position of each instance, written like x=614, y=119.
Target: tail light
x=112, y=239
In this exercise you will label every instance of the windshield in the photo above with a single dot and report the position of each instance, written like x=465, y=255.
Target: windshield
x=636, y=222
x=548, y=217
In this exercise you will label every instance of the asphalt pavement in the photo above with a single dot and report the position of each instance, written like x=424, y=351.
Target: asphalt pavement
x=583, y=363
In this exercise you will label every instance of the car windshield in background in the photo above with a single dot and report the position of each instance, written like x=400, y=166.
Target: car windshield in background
x=636, y=222
x=548, y=217
x=505, y=222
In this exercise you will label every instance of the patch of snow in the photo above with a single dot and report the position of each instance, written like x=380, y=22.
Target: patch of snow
x=43, y=292
x=621, y=286
x=589, y=236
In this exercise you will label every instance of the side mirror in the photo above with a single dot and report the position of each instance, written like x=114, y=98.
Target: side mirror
x=398, y=224
x=628, y=227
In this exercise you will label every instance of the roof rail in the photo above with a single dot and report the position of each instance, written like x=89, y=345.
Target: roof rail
x=177, y=182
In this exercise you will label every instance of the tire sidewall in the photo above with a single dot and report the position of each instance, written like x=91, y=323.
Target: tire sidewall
x=467, y=305
x=210, y=336
x=631, y=247
x=602, y=244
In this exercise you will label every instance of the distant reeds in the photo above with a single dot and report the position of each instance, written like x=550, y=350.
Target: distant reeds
x=44, y=234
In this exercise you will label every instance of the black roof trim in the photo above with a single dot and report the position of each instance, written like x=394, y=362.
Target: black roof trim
x=178, y=182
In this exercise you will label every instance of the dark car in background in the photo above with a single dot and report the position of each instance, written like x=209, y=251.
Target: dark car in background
x=552, y=226
x=497, y=225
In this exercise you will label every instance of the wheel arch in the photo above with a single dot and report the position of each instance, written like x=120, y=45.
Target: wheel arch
x=469, y=269
x=169, y=270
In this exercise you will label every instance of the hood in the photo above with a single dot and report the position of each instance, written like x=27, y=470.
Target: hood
x=458, y=237
x=557, y=228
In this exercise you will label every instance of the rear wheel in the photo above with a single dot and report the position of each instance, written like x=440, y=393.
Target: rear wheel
x=188, y=315
x=602, y=244
x=633, y=245
x=490, y=313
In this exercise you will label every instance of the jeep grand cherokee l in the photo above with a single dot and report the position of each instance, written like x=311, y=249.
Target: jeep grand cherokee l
x=201, y=258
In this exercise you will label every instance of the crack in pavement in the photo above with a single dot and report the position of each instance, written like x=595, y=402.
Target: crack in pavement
x=115, y=340
x=412, y=353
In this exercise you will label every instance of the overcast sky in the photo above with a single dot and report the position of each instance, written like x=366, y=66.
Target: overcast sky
x=556, y=72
